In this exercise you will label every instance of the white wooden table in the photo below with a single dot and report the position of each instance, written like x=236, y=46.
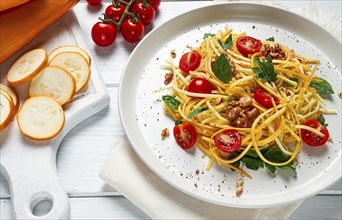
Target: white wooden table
x=84, y=150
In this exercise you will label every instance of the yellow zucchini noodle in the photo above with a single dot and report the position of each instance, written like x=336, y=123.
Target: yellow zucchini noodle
x=279, y=125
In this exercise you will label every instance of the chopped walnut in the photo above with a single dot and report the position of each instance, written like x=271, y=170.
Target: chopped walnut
x=168, y=78
x=165, y=133
x=242, y=113
x=274, y=51
x=173, y=54
x=239, y=187
x=340, y=94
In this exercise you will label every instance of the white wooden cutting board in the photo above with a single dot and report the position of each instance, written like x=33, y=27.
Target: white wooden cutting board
x=30, y=166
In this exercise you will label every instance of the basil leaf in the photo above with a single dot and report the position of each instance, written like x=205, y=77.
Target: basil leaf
x=265, y=71
x=222, y=69
x=271, y=168
x=195, y=112
x=270, y=39
x=178, y=122
x=252, y=153
x=206, y=35
x=288, y=168
x=321, y=86
x=171, y=101
x=228, y=43
x=292, y=79
x=321, y=120
x=274, y=154
x=252, y=163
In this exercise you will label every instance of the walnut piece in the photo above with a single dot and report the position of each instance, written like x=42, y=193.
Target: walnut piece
x=165, y=133
x=274, y=51
x=168, y=78
x=242, y=113
x=239, y=187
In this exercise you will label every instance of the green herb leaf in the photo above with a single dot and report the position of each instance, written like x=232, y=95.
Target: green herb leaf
x=252, y=153
x=178, y=122
x=195, y=112
x=171, y=101
x=227, y=44
x=288, y=168
x=321, y=86
x=265, y=71
x=270, y=39
x=274, y=154
x=222, y=69
x=321, y=120
x=252, y=163
x=292, y=79
x=271, y=168
x=206, y=35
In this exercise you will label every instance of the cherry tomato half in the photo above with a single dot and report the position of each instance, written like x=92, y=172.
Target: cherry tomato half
x=146, y=12
x=185, y=135
x=228, y=141
x=103, y=34
x=199, y=85
x=132, y=32
x=155, y=3
x=263, y=98
x=190, y=61
x=248, y=45
x=311, y=138
x=115, y=12
x=94, y=2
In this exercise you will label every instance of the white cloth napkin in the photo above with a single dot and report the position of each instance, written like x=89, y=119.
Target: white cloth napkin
x=125, y=172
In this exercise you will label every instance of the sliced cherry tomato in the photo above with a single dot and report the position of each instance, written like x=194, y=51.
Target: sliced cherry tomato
x=311, y=138
x=185, y=135
x=263, y=98
x=248, y=45
x=132, y=31
x=146, y=12
x=190, y=61
x=228, y=141
x=199, y=85
x=155, y=3
x=94, y=2
x=103, y=34
x=115, y=12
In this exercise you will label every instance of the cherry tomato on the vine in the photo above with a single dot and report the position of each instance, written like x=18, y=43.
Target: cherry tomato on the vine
x=94, y=2
x=185, y=135
x=199, y=85
x=131, y=31
x=190, y=61
x=155, y=3
x=262, y=97
x=248, y=45
x=228, y=141
x=103, y=34
x=146, y=13
x=115, y=12
x=311, y=138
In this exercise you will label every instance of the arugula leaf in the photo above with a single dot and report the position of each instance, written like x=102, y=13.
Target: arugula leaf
x=195, y=112
x=321, y=120
x=288, y=169
x=292, y=79
x=252, y=153
x=252, y=163
x=206, y=35
x=171, y=101
x=321, y=86
x=227, y=44
x=270, y=39
x=222, y=69
x=271, y=168
x=274, y=154
x=265, y=71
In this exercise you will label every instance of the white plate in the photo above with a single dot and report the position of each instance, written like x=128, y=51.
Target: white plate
x=143, y=118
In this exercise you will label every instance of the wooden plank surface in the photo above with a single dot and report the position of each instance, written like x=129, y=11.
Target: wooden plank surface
x=85, y=148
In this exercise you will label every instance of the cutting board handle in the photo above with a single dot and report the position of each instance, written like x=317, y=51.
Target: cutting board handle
x=39, y=170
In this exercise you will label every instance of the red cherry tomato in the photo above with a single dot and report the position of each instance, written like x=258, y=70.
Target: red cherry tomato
x=199, y=85
x=185, y=135
x=146, y=12
x=115, y=12
x=228, y=141
x=94, y=2
x=263, y=98
x=311, y=138
x=248, y=45
x=103, y=34
x=155, y=3
x=131, y=31
x=190, y=61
